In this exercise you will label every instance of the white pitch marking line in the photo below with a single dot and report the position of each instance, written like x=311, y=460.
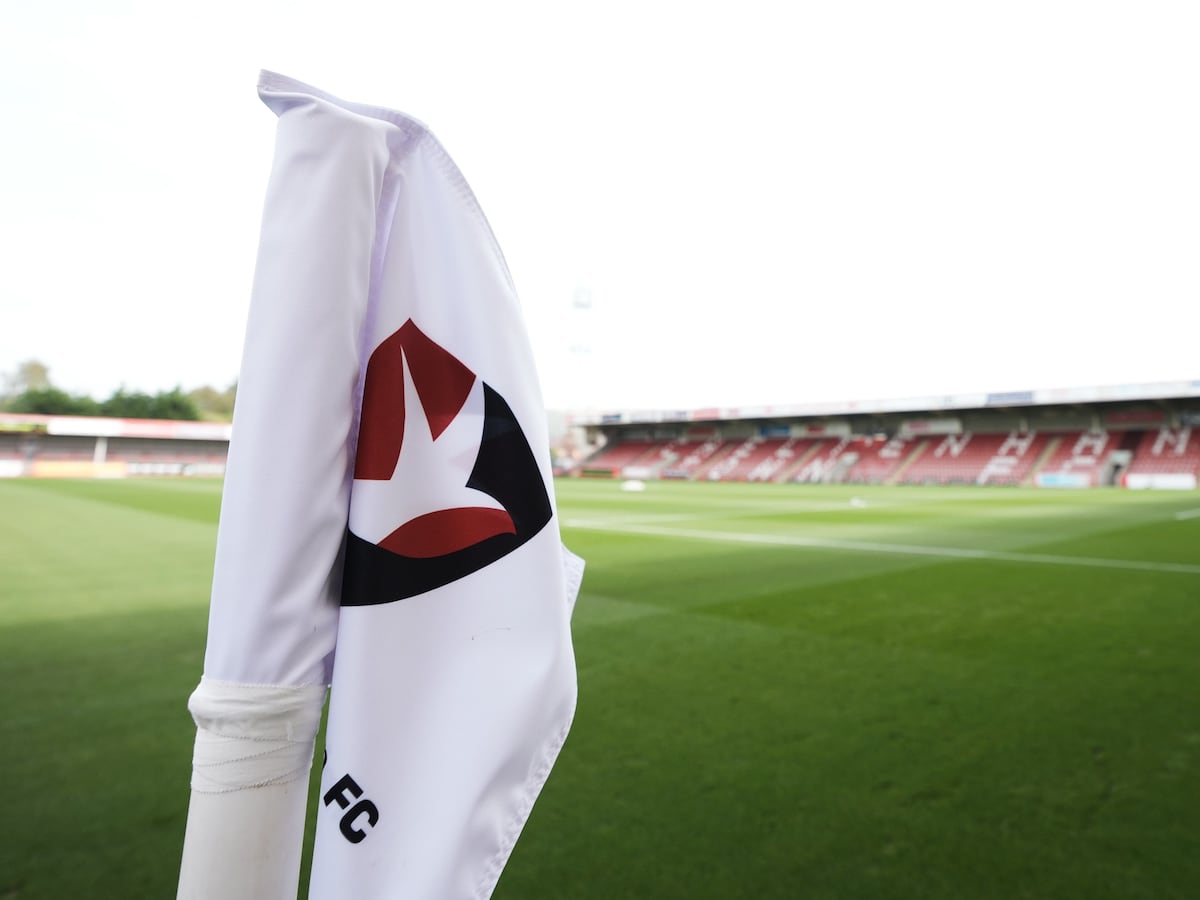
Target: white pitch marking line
x=903, y=549
x=1188, y=514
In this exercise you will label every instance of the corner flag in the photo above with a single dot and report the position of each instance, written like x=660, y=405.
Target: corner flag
x=388, y=500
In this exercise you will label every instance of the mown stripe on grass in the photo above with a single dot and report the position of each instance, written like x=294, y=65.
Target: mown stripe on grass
x=879, y=547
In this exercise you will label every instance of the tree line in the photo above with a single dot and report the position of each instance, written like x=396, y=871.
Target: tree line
x=28, y=389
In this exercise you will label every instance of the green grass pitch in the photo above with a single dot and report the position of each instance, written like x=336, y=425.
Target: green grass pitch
x=785, y=692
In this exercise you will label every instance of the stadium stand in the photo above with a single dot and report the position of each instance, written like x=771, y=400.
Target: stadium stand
x=43, y=446
x=612, y=460
x=64, y=448
x=1140, y=436
x=724, y=458
x=149, y=450
x=10, y=446
x=737, y=459
x=825, y=464
x=776, y=466
x=968, y=458
x=1077, y=459
x=1167, y=451
x=1062, y=442
x=971, y=458
x=878, y=459
x=682, y=459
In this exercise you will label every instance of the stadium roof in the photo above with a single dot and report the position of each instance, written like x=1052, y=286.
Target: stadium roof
x=1160, y=390
x=98, y=426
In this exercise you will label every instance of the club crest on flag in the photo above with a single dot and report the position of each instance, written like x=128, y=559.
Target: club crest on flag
x=479, y=494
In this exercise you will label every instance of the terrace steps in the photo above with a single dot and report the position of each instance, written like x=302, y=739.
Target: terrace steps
x=916, y=454
x=701, y=472
x=786, y=473
x=1043, y=458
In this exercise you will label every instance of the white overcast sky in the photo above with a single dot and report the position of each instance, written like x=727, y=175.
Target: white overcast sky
x=765, y=202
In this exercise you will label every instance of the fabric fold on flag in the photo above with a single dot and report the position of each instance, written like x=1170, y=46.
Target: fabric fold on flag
x=388, y=497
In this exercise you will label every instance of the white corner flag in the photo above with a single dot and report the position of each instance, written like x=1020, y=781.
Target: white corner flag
x=388, y=495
